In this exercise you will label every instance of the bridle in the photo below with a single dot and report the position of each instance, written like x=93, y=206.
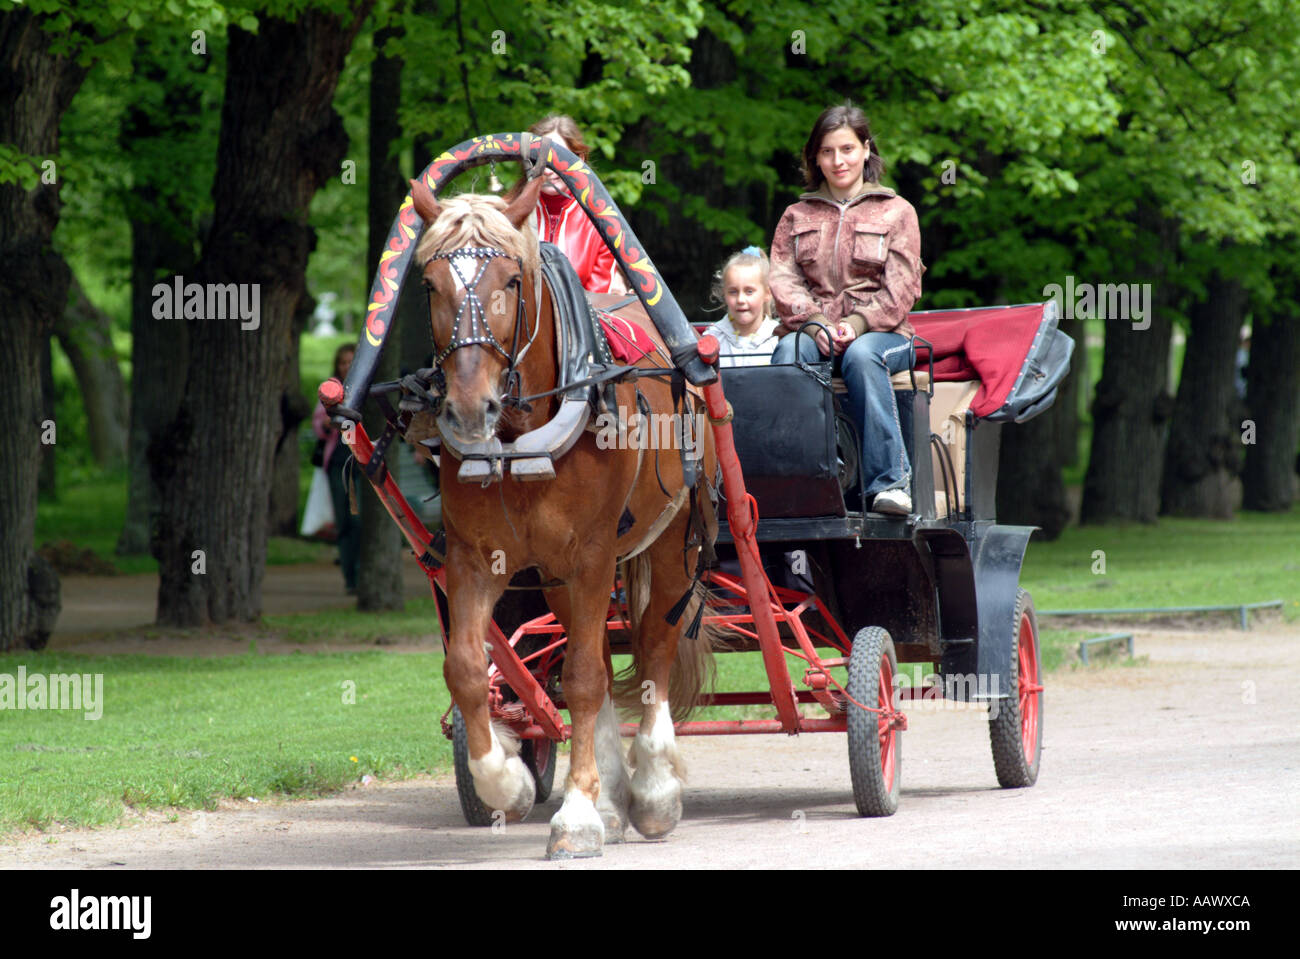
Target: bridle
x=478, y=332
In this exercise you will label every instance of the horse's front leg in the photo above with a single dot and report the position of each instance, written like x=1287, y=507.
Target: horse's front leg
x=578, y=828
x=501, y=779
x=610, y=762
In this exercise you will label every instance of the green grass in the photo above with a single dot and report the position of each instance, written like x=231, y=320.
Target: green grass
x=419, y=620
x=189, y=732
x=1177, y=562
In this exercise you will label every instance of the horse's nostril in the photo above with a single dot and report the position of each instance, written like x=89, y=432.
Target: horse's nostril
x=494, y=407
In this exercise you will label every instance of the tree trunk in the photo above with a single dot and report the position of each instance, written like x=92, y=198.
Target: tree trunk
x=282, y=519
x=1133, y=405
x=36, y=88
x=379, y=577
x=1030, y=490
x=159, y=357
x=413, y=329
x=1204, y=452
x=1072, y=393
x=679, y=252
x=280, y=141
x=85, y=333
x=1273, y=401
x=47, y=483
x=163, y=240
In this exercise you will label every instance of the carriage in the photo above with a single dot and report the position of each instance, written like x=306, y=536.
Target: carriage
x=800, y=568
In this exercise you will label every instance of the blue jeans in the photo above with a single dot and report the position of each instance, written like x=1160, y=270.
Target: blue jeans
x=866, y=367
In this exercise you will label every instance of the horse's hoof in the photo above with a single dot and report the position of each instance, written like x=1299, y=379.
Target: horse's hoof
x=582, y=842
x=656, y=816
x=512, y=793
x=615, y=826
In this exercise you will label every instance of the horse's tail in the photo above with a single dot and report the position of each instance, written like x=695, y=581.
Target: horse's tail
x=694, y=669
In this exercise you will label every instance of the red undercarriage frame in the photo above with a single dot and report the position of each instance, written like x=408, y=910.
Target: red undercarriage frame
x=749, y=607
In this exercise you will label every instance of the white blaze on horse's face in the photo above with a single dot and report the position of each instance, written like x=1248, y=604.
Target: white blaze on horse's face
x=462, y=266
x=472, y=407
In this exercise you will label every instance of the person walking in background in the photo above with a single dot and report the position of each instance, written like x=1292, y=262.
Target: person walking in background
x=341, y=470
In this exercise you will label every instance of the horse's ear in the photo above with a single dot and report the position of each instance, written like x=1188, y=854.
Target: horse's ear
x=521, y=208
x=425, y=204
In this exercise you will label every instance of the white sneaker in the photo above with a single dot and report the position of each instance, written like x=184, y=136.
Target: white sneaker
x=896, y=502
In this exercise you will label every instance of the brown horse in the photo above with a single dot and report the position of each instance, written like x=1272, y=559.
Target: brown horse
x=490, y=314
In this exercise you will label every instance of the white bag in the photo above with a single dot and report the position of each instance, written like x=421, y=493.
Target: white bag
x=318, y=515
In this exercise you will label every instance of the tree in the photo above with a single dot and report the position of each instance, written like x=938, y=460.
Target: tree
x=379, y=578
x=1271, y=431
x=85, y=333
x=280, y=140
x=1204, y=452
x=168, y=137
x=37, y=82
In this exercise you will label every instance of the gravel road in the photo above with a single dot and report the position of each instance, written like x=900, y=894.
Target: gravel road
x=1190, y=760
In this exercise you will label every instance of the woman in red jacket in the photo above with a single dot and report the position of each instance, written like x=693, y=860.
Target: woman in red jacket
x=848, y=256
x=560, y=220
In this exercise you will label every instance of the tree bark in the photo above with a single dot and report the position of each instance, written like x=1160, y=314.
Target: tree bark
x=1204, y=452
x=36, y=88
x=1030, y=490
x=1273, y=402
x=163, y=239
x=280, y=141
x=85, y=333
x=159, y=358
x=1132, y=405
x=282, y=519
x=379, y=577
x=1072, y=392
x=47, y=482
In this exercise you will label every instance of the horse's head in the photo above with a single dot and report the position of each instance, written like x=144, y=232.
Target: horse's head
x=479, y=268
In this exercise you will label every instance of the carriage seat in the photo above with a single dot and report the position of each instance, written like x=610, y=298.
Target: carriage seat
x=948, y=408
x=899, y=381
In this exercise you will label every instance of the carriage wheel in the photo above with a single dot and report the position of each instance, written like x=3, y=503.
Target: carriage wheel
x=476, y=812
x=539, y=756
x=875, y=754
x=1016, y=732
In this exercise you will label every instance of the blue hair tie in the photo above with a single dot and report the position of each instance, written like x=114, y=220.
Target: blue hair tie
x=752, y=251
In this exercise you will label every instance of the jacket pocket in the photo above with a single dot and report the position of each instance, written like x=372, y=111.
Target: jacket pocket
x=870, y=245
x=807, y=238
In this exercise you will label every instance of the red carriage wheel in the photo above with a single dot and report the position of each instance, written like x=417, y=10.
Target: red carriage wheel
x=875, y=744
x=1016, y=729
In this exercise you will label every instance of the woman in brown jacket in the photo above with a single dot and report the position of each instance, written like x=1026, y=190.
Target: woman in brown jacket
x=848, y=256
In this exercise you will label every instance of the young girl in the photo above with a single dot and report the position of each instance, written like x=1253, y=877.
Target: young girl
x=747, y=334
x=560, y=220
x=848, y=256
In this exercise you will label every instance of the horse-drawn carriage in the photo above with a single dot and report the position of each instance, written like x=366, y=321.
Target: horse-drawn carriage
x=745, y=530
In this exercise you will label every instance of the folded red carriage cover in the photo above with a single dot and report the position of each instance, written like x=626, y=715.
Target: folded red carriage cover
x=989, y=344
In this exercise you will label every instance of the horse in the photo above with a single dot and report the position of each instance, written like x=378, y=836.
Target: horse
x=491, y=320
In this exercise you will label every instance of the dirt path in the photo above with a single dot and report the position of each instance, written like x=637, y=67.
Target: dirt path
x=94, y=604
x=1189, y=761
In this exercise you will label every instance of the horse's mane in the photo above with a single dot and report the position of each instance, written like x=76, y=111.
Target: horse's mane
x=471, y=219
